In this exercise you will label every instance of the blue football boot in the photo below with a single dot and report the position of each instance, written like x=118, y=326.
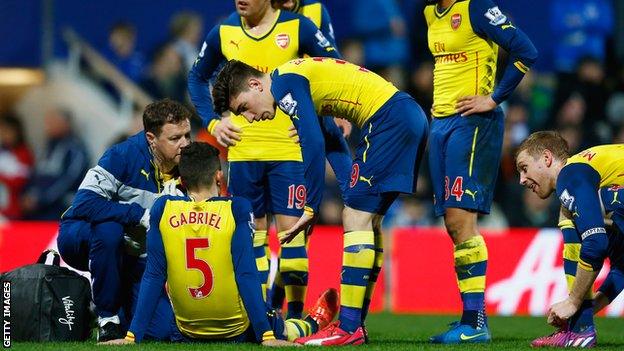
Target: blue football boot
x=462, y=333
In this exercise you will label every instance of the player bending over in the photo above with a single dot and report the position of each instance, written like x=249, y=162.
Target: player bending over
x=394, y=133
x=580, y=181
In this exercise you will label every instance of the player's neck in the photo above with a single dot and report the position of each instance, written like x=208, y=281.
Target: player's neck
x=200, y=195
x=443, y=4
x=159, y=161
x=259, y=22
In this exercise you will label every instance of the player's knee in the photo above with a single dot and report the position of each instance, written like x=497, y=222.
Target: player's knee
x=461, y=225
x=353, y=219
x=107, y=236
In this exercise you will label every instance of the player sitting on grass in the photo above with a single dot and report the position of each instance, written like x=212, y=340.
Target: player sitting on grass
x=201, y=247
x=545, y=166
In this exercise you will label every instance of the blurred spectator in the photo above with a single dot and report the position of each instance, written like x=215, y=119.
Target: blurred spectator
x=615, y=109
x=331, y=211
x=572, y=112
x=382, y=30
x=186, y=32
x=59, y=172
x=166, y=78
x=417, y=31
x=413, y=211
x=535, y=212
x=17, y=161
x=121, y=51
x=517, y=117
x=580, y=28
x=574, y=136
x=421, y=86
x=583, y=98
x=353, y=51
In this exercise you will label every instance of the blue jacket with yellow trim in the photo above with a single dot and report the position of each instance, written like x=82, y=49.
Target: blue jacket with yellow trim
x=120, y=187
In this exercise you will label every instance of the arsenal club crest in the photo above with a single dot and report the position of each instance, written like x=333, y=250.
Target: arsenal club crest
x=282, y=40
x=455, y=21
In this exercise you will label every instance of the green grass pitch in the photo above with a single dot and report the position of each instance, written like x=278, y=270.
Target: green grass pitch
x=397, y=332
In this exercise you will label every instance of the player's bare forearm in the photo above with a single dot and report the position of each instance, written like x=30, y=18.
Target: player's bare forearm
x=469, y=105
x=565, y=309
x=305, y=221
x=583, y=282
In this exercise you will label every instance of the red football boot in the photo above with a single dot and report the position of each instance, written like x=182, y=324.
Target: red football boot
x=325, y=309
x=333, y=335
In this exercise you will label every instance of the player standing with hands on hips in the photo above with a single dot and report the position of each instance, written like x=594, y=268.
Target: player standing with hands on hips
x=467, y=134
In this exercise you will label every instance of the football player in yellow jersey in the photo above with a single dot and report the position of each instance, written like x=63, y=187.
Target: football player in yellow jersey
x=317, y=13
x=587, y=185
x=394, y=133
x=264, y=161
x=467, y=135
x=200, y=245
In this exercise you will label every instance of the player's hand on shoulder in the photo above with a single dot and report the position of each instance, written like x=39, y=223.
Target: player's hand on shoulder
x=344, y=125
x=226, y=133
x=469, y=105
x=116, y=342
x=279, y=343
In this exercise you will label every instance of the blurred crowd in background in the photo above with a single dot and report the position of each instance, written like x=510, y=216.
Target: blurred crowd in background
x=582, y=98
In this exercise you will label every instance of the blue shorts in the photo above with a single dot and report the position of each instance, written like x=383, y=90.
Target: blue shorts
x=464, y=159
x=613, y=201
x=248, y=336
x=388, y=155
x=276, y=187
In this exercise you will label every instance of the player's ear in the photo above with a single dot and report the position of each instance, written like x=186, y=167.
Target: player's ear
x=548, y=157
x=151, y=137
x=219, y=180
x=255, y=83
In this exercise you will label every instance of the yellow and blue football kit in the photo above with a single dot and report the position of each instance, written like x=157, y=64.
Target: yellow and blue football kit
x=266, y=165
x=394, y=133
x=465, y=152
x=588, y=187
x=203, y=252
x=318, y=14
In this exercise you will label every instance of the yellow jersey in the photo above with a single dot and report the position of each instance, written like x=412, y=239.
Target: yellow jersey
x=204, y=252
x=464, y=39
x=337, y=88
x=607, y=160
x=290, y=36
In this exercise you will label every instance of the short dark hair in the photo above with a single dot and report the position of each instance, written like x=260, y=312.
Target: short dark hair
x=124, y=27
x=231, y=81
x=11, y=121
x=279, y=3
x=161, y=112
x=550, y=140
x=198, y=164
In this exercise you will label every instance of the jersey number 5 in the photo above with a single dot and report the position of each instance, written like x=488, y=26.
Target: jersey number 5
x=193, y=262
